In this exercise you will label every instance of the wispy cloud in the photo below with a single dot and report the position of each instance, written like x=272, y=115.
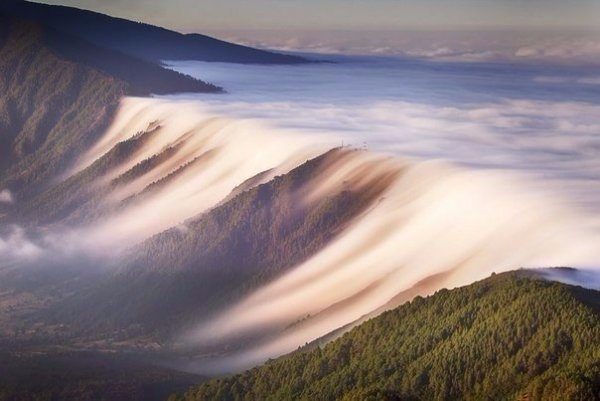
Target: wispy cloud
x=6, y=196
x=16, y=245
x=563, y=47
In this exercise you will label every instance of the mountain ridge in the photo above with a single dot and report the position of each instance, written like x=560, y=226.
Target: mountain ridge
x=143, y=40
x=185, y=282
x=511, y=336
x=45, y=126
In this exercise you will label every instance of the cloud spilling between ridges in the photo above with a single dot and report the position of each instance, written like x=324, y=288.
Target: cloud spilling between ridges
x=434, y=220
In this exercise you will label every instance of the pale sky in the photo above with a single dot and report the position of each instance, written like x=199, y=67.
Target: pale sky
x=222, y=15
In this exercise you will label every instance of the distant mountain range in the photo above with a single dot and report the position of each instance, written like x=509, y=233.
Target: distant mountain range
x=141, y=40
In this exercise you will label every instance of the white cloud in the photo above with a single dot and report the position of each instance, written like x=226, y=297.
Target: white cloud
x=586, y=278
x=6, y=196
x=589, y=81
x=15, y=244
x=572, y=50
x=405, y=111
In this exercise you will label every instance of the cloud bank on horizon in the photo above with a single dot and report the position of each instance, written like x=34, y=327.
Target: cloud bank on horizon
x=572, y=47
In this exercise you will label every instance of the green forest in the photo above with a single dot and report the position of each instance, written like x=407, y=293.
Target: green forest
x=512, y=336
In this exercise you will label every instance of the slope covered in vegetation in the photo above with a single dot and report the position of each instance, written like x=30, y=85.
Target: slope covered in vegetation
x=510, y=337
x=59, y=94
x=188, y=273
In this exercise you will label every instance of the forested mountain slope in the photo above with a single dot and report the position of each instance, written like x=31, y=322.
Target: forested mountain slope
x=512, y=336
x=142, y=40
x=192, y=271
x=59, y=95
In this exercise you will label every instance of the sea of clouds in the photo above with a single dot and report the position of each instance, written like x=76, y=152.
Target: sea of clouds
x=526, y=136
x=541, y=121
x=500, y=170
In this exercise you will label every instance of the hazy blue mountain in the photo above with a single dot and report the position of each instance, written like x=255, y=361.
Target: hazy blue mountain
x=142, y=40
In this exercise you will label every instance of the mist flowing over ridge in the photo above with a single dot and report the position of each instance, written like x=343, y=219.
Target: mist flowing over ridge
x=435, y=226
x=547, y=330
x=208, y=158
x=175, y=208
x=164, y=164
